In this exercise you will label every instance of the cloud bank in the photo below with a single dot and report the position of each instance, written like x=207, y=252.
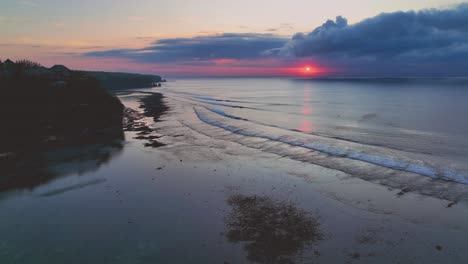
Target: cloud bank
x=201, y=50
x=428, y=33
x=426, y=42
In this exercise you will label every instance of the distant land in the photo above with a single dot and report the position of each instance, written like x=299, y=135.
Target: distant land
x=118, y=80
x=109, y=80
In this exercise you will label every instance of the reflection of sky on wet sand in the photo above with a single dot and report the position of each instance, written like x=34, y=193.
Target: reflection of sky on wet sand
x=129, y=211
x=29, y=170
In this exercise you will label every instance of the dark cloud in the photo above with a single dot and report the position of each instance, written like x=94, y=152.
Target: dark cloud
x=426, y=42
x=436, y=34
x=202, y=48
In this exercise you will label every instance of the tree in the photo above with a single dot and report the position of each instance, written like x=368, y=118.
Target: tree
x=27, y=64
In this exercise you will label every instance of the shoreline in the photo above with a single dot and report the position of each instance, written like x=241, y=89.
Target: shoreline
x=153, y=107
x=202, y=199
x=361, y=221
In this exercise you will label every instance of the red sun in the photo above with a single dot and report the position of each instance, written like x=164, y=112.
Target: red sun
x=308, y=70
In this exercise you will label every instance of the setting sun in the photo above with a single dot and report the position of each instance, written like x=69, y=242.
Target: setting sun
x=308, y=69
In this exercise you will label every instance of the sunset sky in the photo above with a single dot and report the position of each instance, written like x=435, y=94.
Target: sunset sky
x=242, y=37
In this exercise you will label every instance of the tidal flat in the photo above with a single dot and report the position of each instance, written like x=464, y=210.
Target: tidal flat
x=199, y=199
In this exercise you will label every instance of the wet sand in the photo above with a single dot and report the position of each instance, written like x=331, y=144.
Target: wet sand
x=354, y=220
x=197, y=199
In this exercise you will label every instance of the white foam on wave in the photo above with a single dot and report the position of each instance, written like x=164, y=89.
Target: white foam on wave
x=401, y=163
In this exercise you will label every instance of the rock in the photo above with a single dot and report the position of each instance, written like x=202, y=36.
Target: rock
x=154, y=144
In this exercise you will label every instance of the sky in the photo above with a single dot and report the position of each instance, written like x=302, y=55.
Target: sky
x=241, y=38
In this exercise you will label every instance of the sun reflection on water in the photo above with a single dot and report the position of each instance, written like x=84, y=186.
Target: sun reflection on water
x=306, y=124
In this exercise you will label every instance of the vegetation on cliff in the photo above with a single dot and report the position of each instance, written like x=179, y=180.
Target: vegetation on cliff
x=118, y=81
x=53, y=110
x=44, y=106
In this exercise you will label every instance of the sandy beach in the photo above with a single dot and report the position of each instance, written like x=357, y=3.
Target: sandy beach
x=357, y=220
x=174, y=194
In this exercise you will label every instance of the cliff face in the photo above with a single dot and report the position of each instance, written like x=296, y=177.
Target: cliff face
x=45, y=108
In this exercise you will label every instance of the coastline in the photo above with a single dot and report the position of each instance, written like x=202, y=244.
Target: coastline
x=200, y=199
x=361, y=221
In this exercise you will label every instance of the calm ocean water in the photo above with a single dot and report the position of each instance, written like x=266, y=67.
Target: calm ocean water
x=412, y=125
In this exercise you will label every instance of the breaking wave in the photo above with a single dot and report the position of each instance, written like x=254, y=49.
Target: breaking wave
x=419, y=164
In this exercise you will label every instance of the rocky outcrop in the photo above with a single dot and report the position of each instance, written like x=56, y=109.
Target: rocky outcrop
x=53, y=118
x=44, y=108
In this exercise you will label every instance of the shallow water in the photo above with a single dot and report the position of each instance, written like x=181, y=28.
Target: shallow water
x=225, y=171
x=415, y=125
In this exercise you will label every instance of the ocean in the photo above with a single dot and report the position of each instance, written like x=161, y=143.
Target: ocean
x=411, y=125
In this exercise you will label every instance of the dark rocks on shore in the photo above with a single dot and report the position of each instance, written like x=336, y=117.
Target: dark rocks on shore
x=153, y=106
x=148, y=137
x=154, y=144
